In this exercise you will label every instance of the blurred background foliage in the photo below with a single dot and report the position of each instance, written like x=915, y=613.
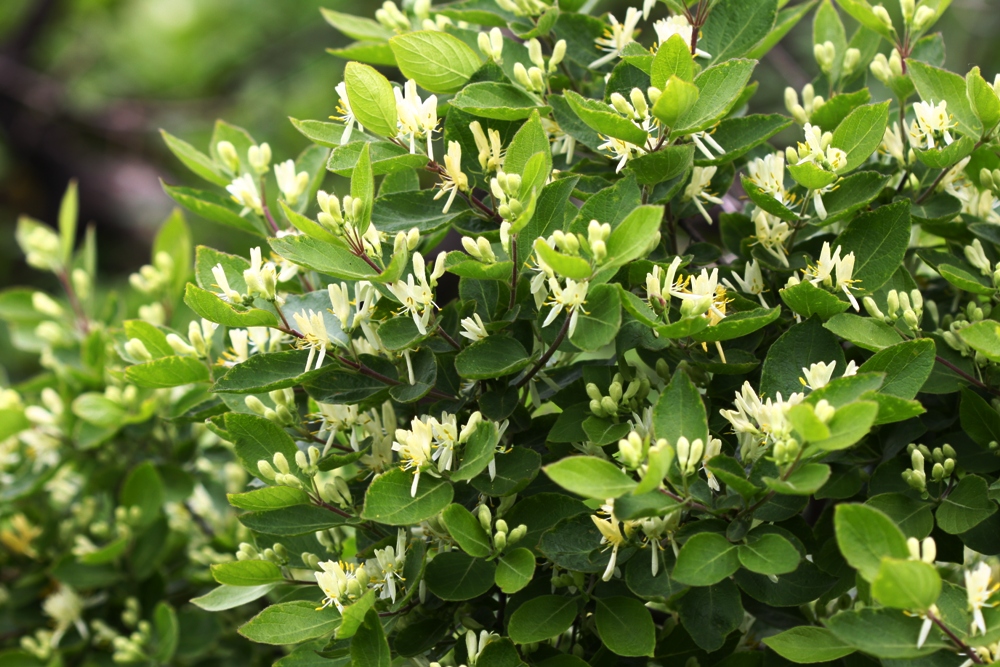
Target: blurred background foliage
x=85, y=86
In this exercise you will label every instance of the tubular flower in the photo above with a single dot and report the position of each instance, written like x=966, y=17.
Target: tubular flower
x=932, y=126
x=314, y=336
x=244, y=192
x=490, y=147
x=616, y=37
x=417, y=118
x=676, y=25
x=453, y=180
x=697, y=190
x=611, y=535
x=346, y=114
x=752, y=281
x=979, y=591
x=569, y=298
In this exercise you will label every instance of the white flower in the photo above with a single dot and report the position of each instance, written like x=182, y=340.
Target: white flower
x=610, y=534
x=689, y=454
x=713, y=449
x=241, y=349
x=490, y=149
x=491, y=45
x=696, y=190
x=314, y=336
x=892, y=143
x=823, y=271
x=702, y=138
x=417, y=118
x=416, y=294
x=261, y=278
x=346, y=114
x=978, y=591
x=617, y=37
x=453, y=180
x=623, y=151
x=932, y=120
x=291, y=184
x=768, y=174
x=760, y=424
x=562, y=143
x=341, y=303
x=703, y=294
x=414, y=448
x=473, y=328
x=390, y=563
x=752, y=281
x=244, y=192
x=65, y=607
x=341, y=582
x=817, y=375
x=569, y=298
x=676, y=25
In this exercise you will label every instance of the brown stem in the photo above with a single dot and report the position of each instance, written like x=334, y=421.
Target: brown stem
x=385, y=379
x=74, y=302
x=686, y=501
x=958, y=371
x=544, y=359
x=448, y=339
x=263, y=205
x=513, y=273
x=970, y=653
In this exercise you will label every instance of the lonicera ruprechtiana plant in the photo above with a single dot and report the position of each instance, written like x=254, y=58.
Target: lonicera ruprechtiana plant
x=636, y=417
x=112, y=489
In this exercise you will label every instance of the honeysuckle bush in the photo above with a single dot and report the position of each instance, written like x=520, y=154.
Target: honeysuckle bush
x=533, y=382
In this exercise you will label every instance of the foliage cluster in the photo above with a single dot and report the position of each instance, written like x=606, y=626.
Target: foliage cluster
x=615, y=427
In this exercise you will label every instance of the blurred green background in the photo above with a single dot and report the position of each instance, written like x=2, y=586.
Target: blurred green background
x=85, y=85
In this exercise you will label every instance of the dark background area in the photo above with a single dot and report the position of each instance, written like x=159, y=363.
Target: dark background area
x=85, y=86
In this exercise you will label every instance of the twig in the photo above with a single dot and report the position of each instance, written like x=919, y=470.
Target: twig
x=263, y=205
x=970, y=653
x=687, y=501
x=74, y=301
x=544, y=359
x=374, y=374
x=958, y=371
x=447, y=338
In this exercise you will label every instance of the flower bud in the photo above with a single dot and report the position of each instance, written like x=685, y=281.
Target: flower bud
x=923, y=18
x=872, y=308
x=501, y=526
x=228, y=156
x=136, y=349
x=535, y=52
x=558, y=53
x=281, y=463
x=259, y=158
x=851, y=59
x=256, y=405
x=609, y=405
x=500, y=541
x=882, y=14
x=485, y=517
x=593, y=392
x=265, y=469
x=595, y=407
x=515, y=535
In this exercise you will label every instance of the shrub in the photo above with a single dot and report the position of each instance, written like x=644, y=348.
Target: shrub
x=612, y=427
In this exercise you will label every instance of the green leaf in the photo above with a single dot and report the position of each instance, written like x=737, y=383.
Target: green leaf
x=387, y=158
x=738, y=325
x=354, y=615
x=731, y=473
x=878, y=240
x=766, y=201
x=167, y=372
x=679, y=411
x=984, y=337
x=634, y=236
x=228, y=597
x=811, y=176
x=255, y=439
x=590, y=477
x=883, y=633
x=734, y=27
x=803, y=344
x=706, y=559
x=864, y=332
x=195, y=160
x=296, y=520
x=570, y=266
x=866, y=536
x=466, y=531
x=542, y=617
x=501, y=101
x=291, y=623
x=332, y=259
x=979, y=420
x=906, y=366
x=912, y=516
x=663, y=165
x=266, y=372
x=827, y=27
x=212, y=308
x=480, y=449
x=804, y=481
x=371, y=98
x=673, y=58
x=965, y=280
x=806, y=299
x=269, y=498
x=808, y=644
x=906, y=584
x=356, y=27
x=982, y=98
x=247, y=573
x=369, y=647
x=437, y=61
x=710, y=613
x=966, y=506
x=456, y=576
x=850, y=423
x=720, y=87
x=214, y=207
x=787, y=19
x=167, y=632
x=363, y=187
x=863, y=14
x=388, y=499
x=143, y=488
x=491, y=358
x=770, y=554
x=860, y=134
x=602, y=119
x=676, y=100
x=625, y=626
x=935, y=84
x=515, y=570
x=598, y=323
